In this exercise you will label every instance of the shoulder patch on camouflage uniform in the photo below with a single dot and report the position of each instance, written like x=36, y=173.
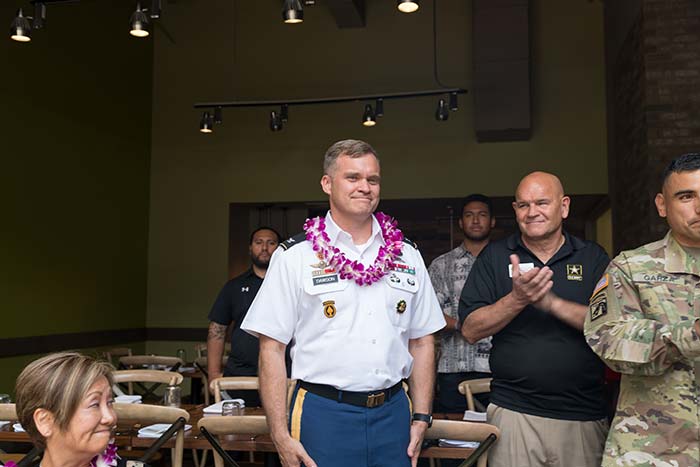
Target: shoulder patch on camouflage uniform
x=410, y=242
x=598, y=306
x=601, y=285
x=598, y=303
x=291, y=241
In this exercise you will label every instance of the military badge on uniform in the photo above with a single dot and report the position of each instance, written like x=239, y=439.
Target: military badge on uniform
x=410, y=281
x=574, y=272
x=394, y=278
x=599, y=308
x=329, y=308
x=401, y=306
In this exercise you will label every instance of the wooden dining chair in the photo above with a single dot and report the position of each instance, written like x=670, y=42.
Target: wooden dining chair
x=157, y=377
x=244, y=383
x=234, y=383
x=111, y=354
x=466, y=431
x=252, y=425
x=8, y=413
x=145, y=414
x=140, y=361
x=200, y=363
x=474, y=386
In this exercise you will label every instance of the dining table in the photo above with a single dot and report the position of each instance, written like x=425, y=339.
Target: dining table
x=127, y=436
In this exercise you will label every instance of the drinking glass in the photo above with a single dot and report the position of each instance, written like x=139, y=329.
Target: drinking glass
x=172, y=396
x=231, y=408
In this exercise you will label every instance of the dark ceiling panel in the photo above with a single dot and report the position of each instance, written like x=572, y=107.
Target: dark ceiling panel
x=348, y=13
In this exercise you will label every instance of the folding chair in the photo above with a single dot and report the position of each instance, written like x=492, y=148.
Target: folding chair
x=474, y=386
x=145, y=414
x=460, y=430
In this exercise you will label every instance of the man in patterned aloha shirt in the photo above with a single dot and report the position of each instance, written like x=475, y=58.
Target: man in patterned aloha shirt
x=460, y=360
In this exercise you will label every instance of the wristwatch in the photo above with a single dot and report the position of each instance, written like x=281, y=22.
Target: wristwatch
x=423, y=417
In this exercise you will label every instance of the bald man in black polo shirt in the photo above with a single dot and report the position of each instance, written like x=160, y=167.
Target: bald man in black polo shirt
x=529, y=291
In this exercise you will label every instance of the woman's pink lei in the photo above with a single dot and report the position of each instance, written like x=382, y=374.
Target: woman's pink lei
x=108, y=458
x=393, y=238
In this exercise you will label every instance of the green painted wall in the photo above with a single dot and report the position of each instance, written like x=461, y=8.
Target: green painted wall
x=245, y=52
x=76, y=127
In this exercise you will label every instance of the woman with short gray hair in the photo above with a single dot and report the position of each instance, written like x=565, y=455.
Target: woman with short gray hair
x=64, y=402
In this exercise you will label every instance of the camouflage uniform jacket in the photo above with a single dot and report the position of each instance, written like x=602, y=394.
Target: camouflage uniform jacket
x=641, y=324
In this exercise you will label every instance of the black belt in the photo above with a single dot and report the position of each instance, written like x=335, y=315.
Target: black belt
x=360, y=399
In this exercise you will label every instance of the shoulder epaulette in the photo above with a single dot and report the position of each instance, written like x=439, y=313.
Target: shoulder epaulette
x=291, y=241
x=410, y=242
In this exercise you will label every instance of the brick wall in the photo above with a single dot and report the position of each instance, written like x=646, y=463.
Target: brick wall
x=655, y=80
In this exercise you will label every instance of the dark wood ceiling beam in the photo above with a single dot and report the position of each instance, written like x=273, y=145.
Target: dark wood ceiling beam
x=348, y=13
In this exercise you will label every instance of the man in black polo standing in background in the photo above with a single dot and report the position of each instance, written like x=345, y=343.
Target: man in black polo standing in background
x=230, y=308
x=530, y=292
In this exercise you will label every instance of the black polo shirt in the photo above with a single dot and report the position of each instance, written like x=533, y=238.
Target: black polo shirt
x=541, y=366
x=231, y=306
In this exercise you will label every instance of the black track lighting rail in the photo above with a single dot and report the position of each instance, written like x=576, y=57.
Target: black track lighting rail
x=329, y=100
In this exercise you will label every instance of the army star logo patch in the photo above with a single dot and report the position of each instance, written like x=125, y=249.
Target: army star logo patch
x=329, y=308
x=574, y=272
x=401, y=306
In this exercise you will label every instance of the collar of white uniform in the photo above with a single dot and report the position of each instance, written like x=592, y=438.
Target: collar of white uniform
x=338, y=235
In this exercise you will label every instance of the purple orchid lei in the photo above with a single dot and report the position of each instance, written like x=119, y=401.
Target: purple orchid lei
x=393, y=238
x=108, y=458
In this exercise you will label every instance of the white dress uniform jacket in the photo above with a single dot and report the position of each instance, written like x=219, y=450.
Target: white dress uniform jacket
x=352, y=337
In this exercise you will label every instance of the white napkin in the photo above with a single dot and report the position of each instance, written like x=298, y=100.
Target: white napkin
x=186, y=369
x=216, y=408
x=18, y=428
x=136, y=399
x=472, y=416
x=3, y=423
x=455, y=443
x=154, y=431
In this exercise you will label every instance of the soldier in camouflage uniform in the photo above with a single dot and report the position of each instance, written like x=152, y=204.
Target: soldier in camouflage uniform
x=643, y=322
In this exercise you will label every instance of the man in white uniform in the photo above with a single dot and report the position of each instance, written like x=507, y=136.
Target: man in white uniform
x=355, y=301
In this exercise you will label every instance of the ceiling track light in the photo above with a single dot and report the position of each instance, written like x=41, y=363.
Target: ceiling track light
x=368, y=116
x=275, y=122
x=379, y=107
x=139, y=23
x=20, y=29
x=292, y=12
x=156, y=9
x=407, y=6
x=453, y=102
x=206, y=124
x=442, y=113
x=39, y=20
x=218, y=115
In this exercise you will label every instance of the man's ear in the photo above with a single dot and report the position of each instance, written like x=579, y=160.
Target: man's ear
x=660, y=202
x=326, y=184
x=44, y=421
x=565, y=203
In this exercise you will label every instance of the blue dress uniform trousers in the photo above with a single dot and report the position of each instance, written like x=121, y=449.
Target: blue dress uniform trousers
x=336, y=434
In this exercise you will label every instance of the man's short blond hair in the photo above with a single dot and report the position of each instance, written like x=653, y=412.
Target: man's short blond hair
x=58, y=383
x=347, y=147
